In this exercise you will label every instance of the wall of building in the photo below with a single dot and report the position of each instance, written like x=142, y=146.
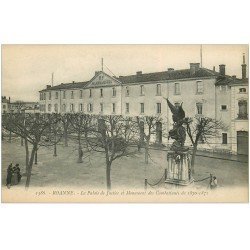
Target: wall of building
x=237, y=124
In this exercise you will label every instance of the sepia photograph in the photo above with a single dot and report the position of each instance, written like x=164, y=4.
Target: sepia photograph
x=125, y=123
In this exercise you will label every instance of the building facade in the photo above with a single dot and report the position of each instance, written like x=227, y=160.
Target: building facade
x=202, y=91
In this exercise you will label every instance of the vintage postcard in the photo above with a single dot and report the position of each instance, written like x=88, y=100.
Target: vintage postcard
x=124, y=123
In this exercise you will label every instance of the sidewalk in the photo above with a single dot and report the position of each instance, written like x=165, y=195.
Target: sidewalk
x=228, y=157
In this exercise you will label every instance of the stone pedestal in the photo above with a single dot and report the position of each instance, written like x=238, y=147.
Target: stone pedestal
x=178, y=169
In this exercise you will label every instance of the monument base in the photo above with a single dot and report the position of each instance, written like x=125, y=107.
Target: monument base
x=178, y=171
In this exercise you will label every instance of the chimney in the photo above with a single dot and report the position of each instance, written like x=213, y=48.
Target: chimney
x=222, y=69
x=244, y=68
x=73, y=81
x=48, y=86
x=213, y=68
x=194, y=67
x=170, y=69
x=234, y=77
x=139, y=73
x=97, y=72
x=9, y=99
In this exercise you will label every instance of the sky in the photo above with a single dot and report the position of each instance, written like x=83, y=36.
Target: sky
x=26, y=69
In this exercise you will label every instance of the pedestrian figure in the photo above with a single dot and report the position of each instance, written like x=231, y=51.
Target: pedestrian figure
x=18, y=171
x=9, y=175
x=213, y=182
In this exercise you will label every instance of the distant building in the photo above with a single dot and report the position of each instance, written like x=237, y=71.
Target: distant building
x=19, y=106
x=204, y=92
x=5, y=104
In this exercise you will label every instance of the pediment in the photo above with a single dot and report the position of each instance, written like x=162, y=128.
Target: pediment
x=101, y=79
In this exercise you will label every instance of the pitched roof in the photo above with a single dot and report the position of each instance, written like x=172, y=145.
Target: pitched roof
x=68, y=86
x=158, y=76
x=167, y=75
x=229, y=80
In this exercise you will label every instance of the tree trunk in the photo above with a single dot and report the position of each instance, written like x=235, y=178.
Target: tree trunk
x=55, y=150
x=27, y=155
x=108, y=177
x=193, y=158
x=65, y=137
x=10, y=136
x=80, y=152
x=21, y=141
x=146, y=152
x=30, y=166
x=36, y=157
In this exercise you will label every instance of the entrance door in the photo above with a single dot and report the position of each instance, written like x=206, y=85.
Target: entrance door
x=159, y=132
x=242, y=142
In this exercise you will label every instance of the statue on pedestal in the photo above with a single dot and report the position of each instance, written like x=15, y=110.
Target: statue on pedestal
x=178, y=169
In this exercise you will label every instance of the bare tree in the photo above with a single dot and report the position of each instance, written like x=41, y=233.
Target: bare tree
x=147, y=127
x=33, y=132
x=201, y=130
x=65, y=123
x=80, y=124
x=112, y=135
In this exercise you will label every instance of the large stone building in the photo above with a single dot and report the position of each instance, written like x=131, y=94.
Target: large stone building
x=203, y=92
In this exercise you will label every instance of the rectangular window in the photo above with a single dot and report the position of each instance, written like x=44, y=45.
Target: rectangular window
x=101, y=107
x=49, y=107
x=113, y=107
x=90, y=93
x=90, y=107
x=81, y=107
x=177, y=88
x=72, y=107
x=199, y=108
x=224, y=138
x=49, y=95
x=56, y=108
x=127, y=107
x=113, y=91
x=142, y=90
x=72, y=94
x=64, y=94
x=242, y=90
x=158, y=108
x=127, y=91
x=56, y=95
x=142, y=108
x=199, y=87
x=80, y=94
x=101, y=92
x=44, y=96
x=223, y=107
x=158, y=89
x=64, y=107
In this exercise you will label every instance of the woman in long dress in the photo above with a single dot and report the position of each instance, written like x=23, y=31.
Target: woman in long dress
x=9, y=175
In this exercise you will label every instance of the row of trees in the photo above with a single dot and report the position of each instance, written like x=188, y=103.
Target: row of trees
x=111, y=135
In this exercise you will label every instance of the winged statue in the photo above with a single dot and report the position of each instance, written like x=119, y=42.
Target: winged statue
x=178, y=132
x=178, y=112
